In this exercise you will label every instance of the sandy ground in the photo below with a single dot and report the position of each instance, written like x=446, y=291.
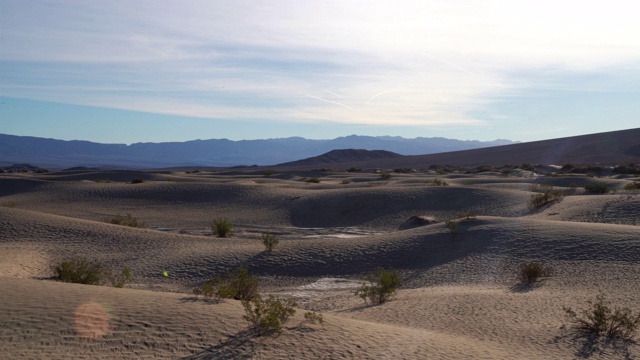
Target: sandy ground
x=460, y=298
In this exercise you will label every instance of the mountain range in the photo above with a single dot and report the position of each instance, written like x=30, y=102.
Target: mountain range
x=52, y=153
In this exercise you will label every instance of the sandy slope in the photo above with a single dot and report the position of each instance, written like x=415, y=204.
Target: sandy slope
x=460, y=298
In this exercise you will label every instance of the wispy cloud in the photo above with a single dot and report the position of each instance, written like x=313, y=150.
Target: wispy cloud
x=411, y=63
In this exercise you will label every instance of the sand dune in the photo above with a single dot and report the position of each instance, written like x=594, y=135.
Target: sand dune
x=460, y=297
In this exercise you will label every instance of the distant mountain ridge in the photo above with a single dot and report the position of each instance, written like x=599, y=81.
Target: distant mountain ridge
x=344, y=155
x=214, y=152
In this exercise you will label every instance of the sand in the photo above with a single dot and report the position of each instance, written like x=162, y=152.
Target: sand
x=460, y=297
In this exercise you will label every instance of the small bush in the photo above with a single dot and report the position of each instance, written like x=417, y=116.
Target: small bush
x=221, y=227
x=314, y=180
x=545, y=195
x=121, y=279
x=238, y=284
x=438, y=182
x=385, y=175
x=345, y=182
x=452, y=225
x=602, y=320
x=634, y=186
x=312, y=317
x=464, y=215
x=80, y=270
x=127, y=220
x=208, y=290
x=597, y=188
x=531, y=271
x=267, y=316
x=382, y=284
x=267, y=173
x=137, y=181
x=106, y=181
x=270, y=241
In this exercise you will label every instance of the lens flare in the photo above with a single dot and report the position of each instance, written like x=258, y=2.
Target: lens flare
x=91, y=321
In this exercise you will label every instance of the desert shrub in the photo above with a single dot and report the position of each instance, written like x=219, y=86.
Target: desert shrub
x=238, y=284
x=221, y=227
x=269, y=241
x=464, y=215
x=600, y=319
x=313, y=318
x=80, y=270
x=121, y=279
x=380, y=286
x=545, y=194
x=531, y=271
x=634, y=186
x=267, y=173
x=438, y=182
x=345, y=182
x=102, y=181
x=313, y=180
x=386, y=175
x=597, y=188
x=126, y=220
x=208, y=290
x=137, y=181
x=452, y=225
x=267, y=316
x=354, y=169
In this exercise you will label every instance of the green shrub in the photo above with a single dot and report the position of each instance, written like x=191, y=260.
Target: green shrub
x=597, y=188
x=464, y=215
x=80, y=270
x=267, y=316
x=208, y=290
x=121, y=279
x=269, y=241
x=531, y=271
x=238, y=284
x=452, y=225
x=221, y=227
x=438, y=182
x=380, y=286
x=137, y=181
x=545, y=195
x=313, y=318
x=127, y=220
x=602, y=320
x=634, y=186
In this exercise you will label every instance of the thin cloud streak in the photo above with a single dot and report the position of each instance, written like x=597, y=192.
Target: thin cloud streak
x=257, y=59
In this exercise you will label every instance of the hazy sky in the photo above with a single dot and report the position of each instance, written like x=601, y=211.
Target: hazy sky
x=130, y=71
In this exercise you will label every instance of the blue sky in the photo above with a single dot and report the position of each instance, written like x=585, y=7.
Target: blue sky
x=140, y=71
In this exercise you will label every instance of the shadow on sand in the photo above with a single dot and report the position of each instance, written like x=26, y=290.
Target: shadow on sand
x=588, y=344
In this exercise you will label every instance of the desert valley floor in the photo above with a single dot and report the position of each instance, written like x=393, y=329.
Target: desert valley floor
x=459, y=299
